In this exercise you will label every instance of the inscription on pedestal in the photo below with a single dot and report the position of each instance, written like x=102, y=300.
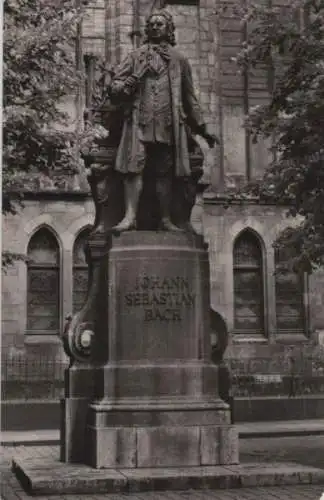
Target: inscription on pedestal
x=160, y=299
x=156, y=306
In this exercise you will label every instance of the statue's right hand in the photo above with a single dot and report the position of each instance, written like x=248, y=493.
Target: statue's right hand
x=130, y=84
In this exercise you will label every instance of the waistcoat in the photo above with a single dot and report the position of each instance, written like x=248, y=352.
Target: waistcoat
x=155, y=110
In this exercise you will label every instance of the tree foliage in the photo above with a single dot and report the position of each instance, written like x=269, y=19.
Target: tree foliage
x=290, y=41
x=39, y=71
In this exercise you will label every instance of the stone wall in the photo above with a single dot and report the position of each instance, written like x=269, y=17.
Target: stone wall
x=66, y=218
x=221, y=228
x=95, y=30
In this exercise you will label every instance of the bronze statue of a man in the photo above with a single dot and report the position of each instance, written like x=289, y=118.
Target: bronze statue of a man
x=155, y=84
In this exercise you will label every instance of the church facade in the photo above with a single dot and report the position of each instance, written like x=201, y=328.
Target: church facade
x=267, y=316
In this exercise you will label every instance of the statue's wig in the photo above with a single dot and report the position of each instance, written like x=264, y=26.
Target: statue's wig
x=170, y=25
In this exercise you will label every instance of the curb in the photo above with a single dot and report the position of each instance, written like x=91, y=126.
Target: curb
x=44, y=476
x=281, y=433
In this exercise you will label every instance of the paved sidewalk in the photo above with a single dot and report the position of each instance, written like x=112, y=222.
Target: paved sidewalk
x=11, y=489
x=245, y=430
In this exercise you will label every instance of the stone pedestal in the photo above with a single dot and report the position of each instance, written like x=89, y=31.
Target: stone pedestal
x=146, y=394
x=156, y=400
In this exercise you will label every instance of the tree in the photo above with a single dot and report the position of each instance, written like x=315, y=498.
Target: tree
x=290, y=41
x=39, y=70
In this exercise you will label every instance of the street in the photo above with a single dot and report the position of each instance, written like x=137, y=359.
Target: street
x=303, y=450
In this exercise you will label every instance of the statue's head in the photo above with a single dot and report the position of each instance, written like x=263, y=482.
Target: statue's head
x=160, y=27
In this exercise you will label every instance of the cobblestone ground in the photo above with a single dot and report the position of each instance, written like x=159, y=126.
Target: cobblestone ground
x=11, y=489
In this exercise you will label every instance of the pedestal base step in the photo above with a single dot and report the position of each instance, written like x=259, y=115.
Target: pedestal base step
x=47, y=476
x=163, y=446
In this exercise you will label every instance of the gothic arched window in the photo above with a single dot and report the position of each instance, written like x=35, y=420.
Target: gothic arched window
x=290, y=307
x=80, y=271
x=248, y=285
x=43, y=278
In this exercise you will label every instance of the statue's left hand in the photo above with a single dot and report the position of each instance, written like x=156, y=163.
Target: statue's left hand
x=211, y=139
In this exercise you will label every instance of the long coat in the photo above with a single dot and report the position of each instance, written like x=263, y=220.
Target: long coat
x=185, y=112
